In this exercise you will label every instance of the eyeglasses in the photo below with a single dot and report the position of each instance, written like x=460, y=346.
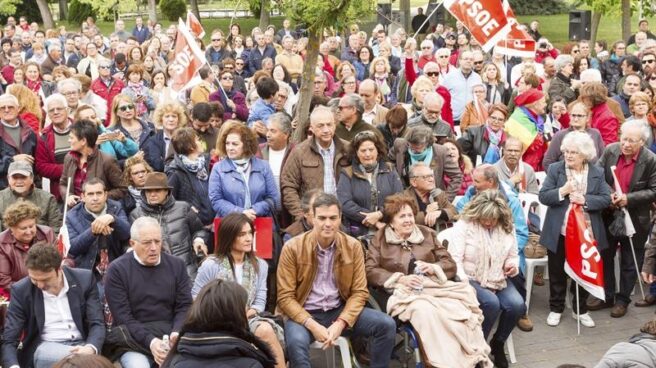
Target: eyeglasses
x=630, y=140
x=349, y=83
x=103, y=66
x=433, y=74
x=650, y=61
x=216, y=39
x=125, y=108
x=578, y=116
x=10, y=107
x=56, y=109
x=71, y=93
x=478, y=62
x=227, y=78
x=424, y=177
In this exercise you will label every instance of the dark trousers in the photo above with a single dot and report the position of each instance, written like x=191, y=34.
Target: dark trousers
x=558, y=282
x=628, y=274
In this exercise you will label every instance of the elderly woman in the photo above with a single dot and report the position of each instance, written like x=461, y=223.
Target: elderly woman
x=22, y=232
x=136, y=89
x=563, y=84
x=579, y=122
x=233, y=101
x=113, y=143
x=125, y=120
x=241, y=182
x=168, y=117
x=419, y=89
x=573, y=181
x=400, y=254
x=188, y=173
x=486, y=140
x=639, y=105
x=527, y=125
x=484, y=248
x=476, y=110
x=419, y=146
x=234, y=260
x=380, y=72
x=363, y=186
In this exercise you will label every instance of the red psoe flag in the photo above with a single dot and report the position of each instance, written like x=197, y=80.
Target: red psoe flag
x=582, y=259
x=485, y=19
x=194, y=25
x=518, y=42
x=63, y=241
x=188, y=59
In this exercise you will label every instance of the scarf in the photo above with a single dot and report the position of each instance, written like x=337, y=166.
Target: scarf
x=373, y=187
x=136, y=194
x=195, y=166
x=139, y=90
x=534, y=118
x=426, y=156
x=581, y=187
x=491, y=256
x=248, y=278
x=415, y=238
x=34, y=86
x=481, y=110
x=383, y=86
x=243, y=167
x=492, y=155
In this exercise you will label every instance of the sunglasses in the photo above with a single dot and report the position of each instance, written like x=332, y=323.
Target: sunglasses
x=226, y=78
x=650, y=61
x=478, y=62
x=216, y=39
x=432, y=74
x=125, y=108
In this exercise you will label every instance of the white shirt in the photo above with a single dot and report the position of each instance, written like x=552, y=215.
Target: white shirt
x=275, y=162
x=369, y=116
x=59, y=325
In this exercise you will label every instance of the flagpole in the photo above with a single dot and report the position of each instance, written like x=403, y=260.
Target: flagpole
x=427, y=19
x=635, y=261
x=68, y=190
x=578, y=309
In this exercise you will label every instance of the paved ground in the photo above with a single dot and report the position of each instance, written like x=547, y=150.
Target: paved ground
x=548, y=347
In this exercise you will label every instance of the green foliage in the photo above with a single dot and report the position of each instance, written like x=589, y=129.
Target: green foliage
x=606, y=7
x=320, y=14
x=255, y=6
x=173, y=9
x=27, y=8
x=78, y=12
x=542, y=7
x=8, y=7
x=103, y=9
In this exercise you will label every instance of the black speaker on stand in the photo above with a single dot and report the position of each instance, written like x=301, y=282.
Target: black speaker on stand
x=580, y=25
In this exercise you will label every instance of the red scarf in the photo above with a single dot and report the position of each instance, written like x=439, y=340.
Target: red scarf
x=34, y=86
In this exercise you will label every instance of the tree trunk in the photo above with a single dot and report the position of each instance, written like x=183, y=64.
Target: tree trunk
x=46, y=14
x=152, y=11
x=303, y=107
x=194, y=9
x=596, y=20
x=63, y=10
x=626, y=19
x=264, y=14
x=405, y=9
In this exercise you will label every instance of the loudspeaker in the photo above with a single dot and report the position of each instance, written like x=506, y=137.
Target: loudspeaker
x=438, y=16
x=384, y=12
x=580, y=24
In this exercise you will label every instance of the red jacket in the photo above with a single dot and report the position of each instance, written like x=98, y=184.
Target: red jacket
x=541, y=55
x=44, y=162
x=411, y=77
x=32, y=121
x=108, y=93
x=606, y=122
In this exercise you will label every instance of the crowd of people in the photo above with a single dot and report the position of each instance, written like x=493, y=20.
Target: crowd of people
x=407, y=138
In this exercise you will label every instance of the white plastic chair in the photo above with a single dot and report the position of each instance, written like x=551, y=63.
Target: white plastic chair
x=540, y=176
x=531, y=263
x=344, y=350
x=511, y=349
x=445, y=234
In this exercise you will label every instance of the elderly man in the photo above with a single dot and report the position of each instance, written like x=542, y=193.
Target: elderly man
x=434, y=207
x=183, y=233
x=350, y=53
x=314, y=163
x=321, y=85
x=54, y=312
x=430, y=117
x=258, y=53
x=635, y=168
x=149, y=293
x=17, y=140
x=460, y=83
x=53, y=145
x=119, y=30
x=374, y=113
x=216, y=51
x=322, y=289
x=21, y=187
x=512, y=170
x=426, y=54
x=53, y=60
x=351, y=108
x=277, y=148
x=107, y=87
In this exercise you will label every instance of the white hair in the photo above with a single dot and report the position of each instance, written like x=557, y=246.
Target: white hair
x=591, y=75
x=55, y=97
x=562, y=61
x=9, y=98
x=140, y=223
x=581, y=142
x=637, y=124
x=69, y=82
x=433, y=97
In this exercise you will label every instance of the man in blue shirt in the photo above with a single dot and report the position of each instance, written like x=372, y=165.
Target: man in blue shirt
x=140, y=32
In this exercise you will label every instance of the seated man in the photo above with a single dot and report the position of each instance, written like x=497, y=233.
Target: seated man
x=434, y=207
x=54, y=312
x=522, y=178
x=148, y=293
x=322, y=289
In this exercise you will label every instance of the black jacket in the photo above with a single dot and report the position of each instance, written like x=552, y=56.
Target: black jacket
x=8, y=149
x=187, y=187
x=26, y=314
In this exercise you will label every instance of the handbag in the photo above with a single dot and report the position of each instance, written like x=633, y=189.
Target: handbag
x=533, y=248
x=617, y=227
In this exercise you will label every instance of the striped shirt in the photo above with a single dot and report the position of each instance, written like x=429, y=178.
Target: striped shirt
x=328, y=156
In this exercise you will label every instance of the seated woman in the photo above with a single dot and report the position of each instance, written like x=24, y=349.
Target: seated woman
x=216, y=332
x=476, y=110
x=464, y=163
x=484, y=247
x=398, y=255
x=235, y=260
x=134, y=177
x=241, y=182
x=486, y=140
x=363, y=186
x=167, y=118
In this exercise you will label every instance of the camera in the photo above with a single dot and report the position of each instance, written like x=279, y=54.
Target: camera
x=542, y=45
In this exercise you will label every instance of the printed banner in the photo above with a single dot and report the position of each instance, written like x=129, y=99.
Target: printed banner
x=484, y=19
x=188, y=59
x=518, y=42
x=194, y=25
x=582, y=259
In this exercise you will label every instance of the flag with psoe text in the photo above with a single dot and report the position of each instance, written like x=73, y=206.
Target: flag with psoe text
x=194, y=25
x=63, y=241
x=484, y=19
x=189, y=58
x=518, y=42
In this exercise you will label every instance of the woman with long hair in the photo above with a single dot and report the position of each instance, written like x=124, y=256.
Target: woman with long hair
x=29, y=106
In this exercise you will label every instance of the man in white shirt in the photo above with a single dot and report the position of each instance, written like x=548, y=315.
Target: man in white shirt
x=277, y=148
x=374, y=113
x=57, y=308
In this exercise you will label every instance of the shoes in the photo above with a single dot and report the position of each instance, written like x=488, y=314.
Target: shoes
x=497, y=351
x=585, y=318
x=538, y=279
x=618, y=311
x=525, y=324
x=649, y=300
x=598, y=304
x=553, y=319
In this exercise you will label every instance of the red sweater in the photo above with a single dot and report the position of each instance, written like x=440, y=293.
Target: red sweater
x=411, y=77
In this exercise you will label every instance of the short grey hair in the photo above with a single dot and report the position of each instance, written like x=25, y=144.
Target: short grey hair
x=433, y=97
x=140, y=223
x=55, y=97
x=489, y=172
x=427, y=43
x=9, y=98
x=321, y=110
x=287, y=37
x=562, y=61
x=357, y=101
x=581, y=142
x=283, y=120
x=637, y=124
x=420, y=135
x=69, y=82
x=414, y=168
x=591, y=75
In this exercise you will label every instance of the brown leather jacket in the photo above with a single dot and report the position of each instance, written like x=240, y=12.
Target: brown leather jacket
x=297, y=269
x=99, y=165
x=442, y=201
x=383, y=260
x=13, y=255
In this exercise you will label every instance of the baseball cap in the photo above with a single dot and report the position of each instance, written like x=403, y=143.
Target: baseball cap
x=20, y=167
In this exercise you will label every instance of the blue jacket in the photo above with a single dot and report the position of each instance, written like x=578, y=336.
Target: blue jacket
x=521, y=228
x=255, y=58
x=148, y=144
x=214, y=57
x=117, y=149
x=227, y=188
x=85, y=245
x=260, y=111
x=141, y=35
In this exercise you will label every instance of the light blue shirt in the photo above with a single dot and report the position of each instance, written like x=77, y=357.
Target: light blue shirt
x=460, y=88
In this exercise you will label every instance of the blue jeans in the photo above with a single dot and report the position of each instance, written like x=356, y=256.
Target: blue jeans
x=132, y=359
x=48, y=353
x=377, y=325
x=506, y=304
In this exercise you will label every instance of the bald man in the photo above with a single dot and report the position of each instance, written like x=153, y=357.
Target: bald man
x=374, y=113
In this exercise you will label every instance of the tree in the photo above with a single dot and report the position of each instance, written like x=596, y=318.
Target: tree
x=152, y=10
x=8, y=7
x=626, y=19
x=318, y=15
x=599, y=8
x=105, y=8
x=46, y=14
x=63, y=9
x=264, y=13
